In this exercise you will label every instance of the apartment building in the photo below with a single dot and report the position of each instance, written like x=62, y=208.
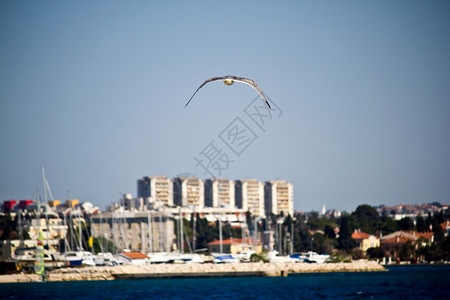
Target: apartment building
x=249, y=195
x=279, y=197
x=219, y=192
x=188, y=191
x=156, y=190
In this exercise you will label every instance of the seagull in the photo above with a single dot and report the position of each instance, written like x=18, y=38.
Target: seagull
x=229, y=80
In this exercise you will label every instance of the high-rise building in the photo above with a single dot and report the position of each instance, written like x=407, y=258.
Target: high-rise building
x=219, y=192
x=188, y=191
x=156, y=189
x=249, y=196
x=279, y=197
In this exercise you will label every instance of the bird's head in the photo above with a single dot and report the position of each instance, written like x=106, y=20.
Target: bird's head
x=228, y=81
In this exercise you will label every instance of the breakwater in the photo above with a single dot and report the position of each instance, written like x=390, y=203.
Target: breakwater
x=193, y=270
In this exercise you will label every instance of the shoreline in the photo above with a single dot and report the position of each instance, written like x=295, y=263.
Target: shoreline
x=192, y=271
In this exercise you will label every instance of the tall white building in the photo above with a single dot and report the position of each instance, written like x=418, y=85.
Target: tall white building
x=156, y=189
x=219, y=192
x=250, y=196
x=188, y=191
x=260, y=198
x=279, y=197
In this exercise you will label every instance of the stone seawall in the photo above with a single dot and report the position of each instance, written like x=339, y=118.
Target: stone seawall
x=194, y=270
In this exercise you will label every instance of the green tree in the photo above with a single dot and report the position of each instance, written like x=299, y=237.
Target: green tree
x=345, y=241
x=102, y=244
x=366, y=218
x=406, y=250
x=433, y=253
x=420, y=224
x=313, y=221
x=320, y=223
x=387, y=224
x=302, y=237
x=206, y=233
x=322, y=244
x=446, y=249
x=438, y=232
x=329, y=232
x=357, y=254
x=8, y=227
x=405, y=224
x=429, y=221
x=440, y=217
x=375, y=253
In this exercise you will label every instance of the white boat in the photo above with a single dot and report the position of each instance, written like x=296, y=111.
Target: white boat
x=167, y=258
x=26, y=260
x=192, y=258
x=78, y=258
x=313, y=257
x=105, y=259
x=275, y=258
x=225, y=259
x=33, y=256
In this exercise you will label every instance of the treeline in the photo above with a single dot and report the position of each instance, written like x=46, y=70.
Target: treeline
x=325, y=238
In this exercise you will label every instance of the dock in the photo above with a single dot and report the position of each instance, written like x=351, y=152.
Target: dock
x=193, y=270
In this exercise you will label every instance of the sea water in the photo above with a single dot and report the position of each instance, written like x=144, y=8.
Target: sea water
x=400, y=282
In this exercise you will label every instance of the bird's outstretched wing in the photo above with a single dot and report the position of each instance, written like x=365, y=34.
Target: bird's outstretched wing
x=254, y=86
x=239, y=79
x=206, y=81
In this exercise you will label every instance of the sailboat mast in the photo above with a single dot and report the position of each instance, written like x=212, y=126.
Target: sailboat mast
x=150, y=248
x=101, y=234
x=194, y=227
x=65, y=237
x=79, y=231
x=45, y=201
x=38, y=199
x=71, y=232
x=161, y=245
x=181, y=232
x=20, y=225
x=220, y=233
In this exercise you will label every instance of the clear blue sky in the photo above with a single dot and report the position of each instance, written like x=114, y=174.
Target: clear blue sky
x=95, y=92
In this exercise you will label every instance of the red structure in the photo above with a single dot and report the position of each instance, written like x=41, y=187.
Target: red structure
x=8, y=205
x=24, y=203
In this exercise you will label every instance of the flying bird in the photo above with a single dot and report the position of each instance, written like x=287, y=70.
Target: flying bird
x=229, y=80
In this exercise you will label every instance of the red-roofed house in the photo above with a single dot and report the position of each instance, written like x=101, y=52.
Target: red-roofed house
x=389, y=241
x=392, y=242
x=413, y=235
x=235, y=246
x=392, y=245
x=429, y=235
x=365, y=241
x=136, y=258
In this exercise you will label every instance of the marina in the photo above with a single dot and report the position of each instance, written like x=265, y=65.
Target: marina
x=190, y=270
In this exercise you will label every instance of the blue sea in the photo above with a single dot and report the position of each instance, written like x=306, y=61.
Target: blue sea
x=400, y=282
